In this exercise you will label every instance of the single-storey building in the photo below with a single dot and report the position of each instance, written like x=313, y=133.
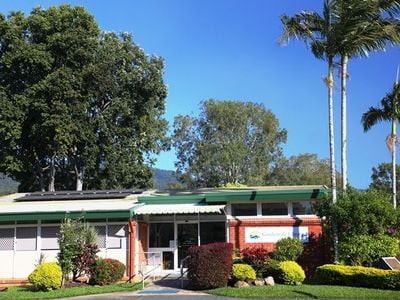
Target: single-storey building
x=149, y=230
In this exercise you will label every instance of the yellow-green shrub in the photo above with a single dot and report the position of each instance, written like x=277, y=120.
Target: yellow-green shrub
x=358, y=276
x=46, y=276
x=243, y=272
x=291, y=273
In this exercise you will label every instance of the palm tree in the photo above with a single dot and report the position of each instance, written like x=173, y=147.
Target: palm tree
x=363, y=27
x=389, y=110
x=316, y=31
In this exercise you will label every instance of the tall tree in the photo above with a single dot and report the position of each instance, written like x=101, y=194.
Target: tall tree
x=316, y=31
x=303, y=169
x=362, y=27
x=382, y=176
x=230, y=142
x=389, y=110
x=76, y=106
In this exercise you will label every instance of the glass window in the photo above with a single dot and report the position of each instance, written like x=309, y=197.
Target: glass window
x=26, y=238
x=49, y=235
x=274, y=209
x=302, y=208
x=161, y=234
x=244, y=209
x=101, y=236
x=6, y=239
x=116, y=233
x=212, y=232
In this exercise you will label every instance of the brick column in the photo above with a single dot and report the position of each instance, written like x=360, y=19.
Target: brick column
x=131, y=251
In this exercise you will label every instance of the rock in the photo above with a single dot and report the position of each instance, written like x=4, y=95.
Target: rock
x=269, y=280
x=82, y=279
x=241, y=284
x=258, y=282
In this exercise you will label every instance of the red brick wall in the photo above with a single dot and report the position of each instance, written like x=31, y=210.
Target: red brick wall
x=143, y=238
x=314, y=253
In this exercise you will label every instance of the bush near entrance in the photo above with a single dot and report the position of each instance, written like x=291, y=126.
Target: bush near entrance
x=358, y=276
x=210, y=265
x=46, y=277
x=107, y=271
x=243, y=272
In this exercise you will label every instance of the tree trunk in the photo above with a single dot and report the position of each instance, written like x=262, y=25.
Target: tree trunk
x=79, y=180
x=332, y=154
x=394, y=137
x=52, y=173
x=344, y=61
x=331, y=130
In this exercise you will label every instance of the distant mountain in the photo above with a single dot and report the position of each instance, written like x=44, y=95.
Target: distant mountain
x=161, y=180
x=164, y=177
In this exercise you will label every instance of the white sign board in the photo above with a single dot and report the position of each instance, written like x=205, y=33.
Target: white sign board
x=274, y=234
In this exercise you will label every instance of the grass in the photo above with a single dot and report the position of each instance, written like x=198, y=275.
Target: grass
x=305, y=291
x=25, y=292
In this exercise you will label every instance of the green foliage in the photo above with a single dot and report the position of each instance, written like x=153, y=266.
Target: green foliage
x=230, y=142
x=46, y=277
x=107, y=271
x=77, y=106
x=243, y=272
x=302, y=169
x=358, y=276
x=291, y=273
x=359, y=213
x=365, y=250
x=288, y=249
x=77, y=248
x=381, y=178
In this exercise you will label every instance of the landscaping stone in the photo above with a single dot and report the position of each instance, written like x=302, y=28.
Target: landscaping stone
x=259, y=281
x=241, y=284
x=269, y=280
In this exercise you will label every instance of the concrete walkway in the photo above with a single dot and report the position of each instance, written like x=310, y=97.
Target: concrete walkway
x=165, y=288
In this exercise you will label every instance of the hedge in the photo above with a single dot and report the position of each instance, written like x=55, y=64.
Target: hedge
x=358, y=276
x=210, y=265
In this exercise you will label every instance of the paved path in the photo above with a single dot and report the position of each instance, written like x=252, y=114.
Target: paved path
x=162, y=289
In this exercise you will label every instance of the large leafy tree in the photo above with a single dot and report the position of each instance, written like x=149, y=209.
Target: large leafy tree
x=388, y=110
x=301, y=169
x=316, y=31
x=362, y=27
x=381, y=177
x=230, y=142
x=76, y=106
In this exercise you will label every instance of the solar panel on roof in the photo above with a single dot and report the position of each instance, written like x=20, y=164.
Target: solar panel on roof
x=78, y=195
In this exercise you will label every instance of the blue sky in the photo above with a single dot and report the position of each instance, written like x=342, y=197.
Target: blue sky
x=228, y=49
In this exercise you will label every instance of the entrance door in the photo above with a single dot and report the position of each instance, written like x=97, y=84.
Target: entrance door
x=187, y=236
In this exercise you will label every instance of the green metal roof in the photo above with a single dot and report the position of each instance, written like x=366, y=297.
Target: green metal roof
x=239, y=195
x=62, y=214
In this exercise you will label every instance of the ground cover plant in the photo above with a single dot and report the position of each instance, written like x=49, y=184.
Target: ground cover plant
x=305, y=291
x=26, y=292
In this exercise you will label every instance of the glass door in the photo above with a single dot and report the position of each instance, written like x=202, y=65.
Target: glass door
x=188, y=235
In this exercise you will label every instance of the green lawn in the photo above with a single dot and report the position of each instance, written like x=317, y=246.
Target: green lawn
x=306, y=291
x=24, y=292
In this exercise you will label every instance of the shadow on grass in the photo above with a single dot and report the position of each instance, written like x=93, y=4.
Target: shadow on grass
x=306, y=294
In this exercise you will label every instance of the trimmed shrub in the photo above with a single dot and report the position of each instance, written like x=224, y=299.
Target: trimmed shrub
x=255, y=257
x=288, y=249
x=291, y=273
x=243, y=272
x=286, y=272
x=46, y=276
x=358, y=276
x=365, y=250
x=107, y=271
x=210, y=265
